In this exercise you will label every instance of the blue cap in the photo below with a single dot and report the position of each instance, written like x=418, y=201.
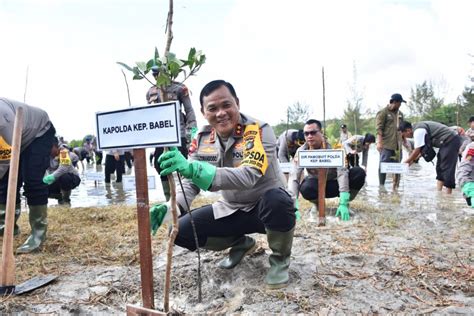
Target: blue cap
x=397, y=97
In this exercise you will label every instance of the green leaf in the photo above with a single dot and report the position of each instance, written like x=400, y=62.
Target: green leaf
x=149, y=64
x=191, y=53
x=137, y=75
x=157, y=55
x=141, y=65
x=125, y=66
x=163, y=80
x=174, y=69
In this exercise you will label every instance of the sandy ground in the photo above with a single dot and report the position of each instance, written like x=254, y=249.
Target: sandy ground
x=385, y=260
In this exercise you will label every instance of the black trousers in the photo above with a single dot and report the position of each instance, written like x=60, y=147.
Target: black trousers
x=309, y=186
x=159, y=150
x=112, y=165
x=128, y=159
x=66, y=182
x=98, y=158
x=34, y=160
x=446, y=161
x=274, y=210
x=353, y=160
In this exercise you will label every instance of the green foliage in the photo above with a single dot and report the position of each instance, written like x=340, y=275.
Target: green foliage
x=282, y=127
x=169, y=67
x=466, y=105
x=75, y=143
x=297, y=114
x=423, y=101
x=445, y=114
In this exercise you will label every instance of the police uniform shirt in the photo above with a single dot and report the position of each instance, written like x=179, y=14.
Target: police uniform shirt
x=63, y=163
x=240, y=184
x=35, y=124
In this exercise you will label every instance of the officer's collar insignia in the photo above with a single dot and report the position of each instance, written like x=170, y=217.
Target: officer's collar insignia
x=239, y=130
x=212, y=137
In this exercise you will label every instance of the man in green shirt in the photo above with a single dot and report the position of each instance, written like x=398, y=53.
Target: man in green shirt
x=387, y=122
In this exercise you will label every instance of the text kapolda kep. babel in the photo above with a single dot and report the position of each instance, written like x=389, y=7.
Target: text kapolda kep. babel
x=137, y=127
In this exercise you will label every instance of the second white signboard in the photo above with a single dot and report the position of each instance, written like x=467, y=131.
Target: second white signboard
x=321, y=158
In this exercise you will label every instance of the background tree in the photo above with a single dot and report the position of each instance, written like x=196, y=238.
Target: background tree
x=353, y=112
x=423, y=102
x=297, y=114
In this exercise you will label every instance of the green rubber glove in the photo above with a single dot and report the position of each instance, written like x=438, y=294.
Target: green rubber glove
x=297, y=210
x=159, y=214
x=343, y=209
x=49, y=179
x=468, y=190
x=194, y=131
x=201, y=173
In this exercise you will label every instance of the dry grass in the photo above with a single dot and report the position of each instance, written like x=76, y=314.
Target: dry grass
x=82, y=237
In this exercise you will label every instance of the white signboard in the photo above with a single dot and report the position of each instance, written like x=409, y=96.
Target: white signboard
x=286, y=167
x=129, y=183
x=321, y=158
x=94, y=176
x=156, y=125
x=393, y=167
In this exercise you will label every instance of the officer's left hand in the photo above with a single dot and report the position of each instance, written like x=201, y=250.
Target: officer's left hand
x=173, y=160
x=48, y=179
x=297, y=210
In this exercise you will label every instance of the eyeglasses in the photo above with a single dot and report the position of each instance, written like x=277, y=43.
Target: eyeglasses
x=312, y=133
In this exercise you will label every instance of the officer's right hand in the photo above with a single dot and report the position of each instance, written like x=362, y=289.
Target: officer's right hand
x=159, y=214
x=173, y=160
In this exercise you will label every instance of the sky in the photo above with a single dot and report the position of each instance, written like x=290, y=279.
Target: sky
x=271, y=51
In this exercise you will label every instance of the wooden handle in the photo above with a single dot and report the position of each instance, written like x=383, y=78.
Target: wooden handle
x=7, y=277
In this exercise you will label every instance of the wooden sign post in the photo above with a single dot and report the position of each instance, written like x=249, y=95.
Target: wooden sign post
x=321, y=159
x=136, y=128
x=7, y=273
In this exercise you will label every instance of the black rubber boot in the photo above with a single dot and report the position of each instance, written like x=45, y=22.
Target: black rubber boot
x=66, y=197
x=39, y=225
x=16, y=228
x=280, y=243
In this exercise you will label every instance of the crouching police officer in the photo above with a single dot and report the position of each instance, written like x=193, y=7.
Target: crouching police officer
x=62, y=176
x=37, y=139
x=236, y=155
x=343, y=182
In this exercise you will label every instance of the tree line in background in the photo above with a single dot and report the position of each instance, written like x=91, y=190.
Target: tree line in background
x=423, y=105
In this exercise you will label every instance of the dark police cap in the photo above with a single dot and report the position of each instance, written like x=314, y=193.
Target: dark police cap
x=343, y=126
x=397, y=97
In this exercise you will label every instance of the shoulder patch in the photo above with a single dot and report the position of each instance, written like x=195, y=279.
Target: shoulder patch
x=5, y=150
x=254, y=153
x=184, y=91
